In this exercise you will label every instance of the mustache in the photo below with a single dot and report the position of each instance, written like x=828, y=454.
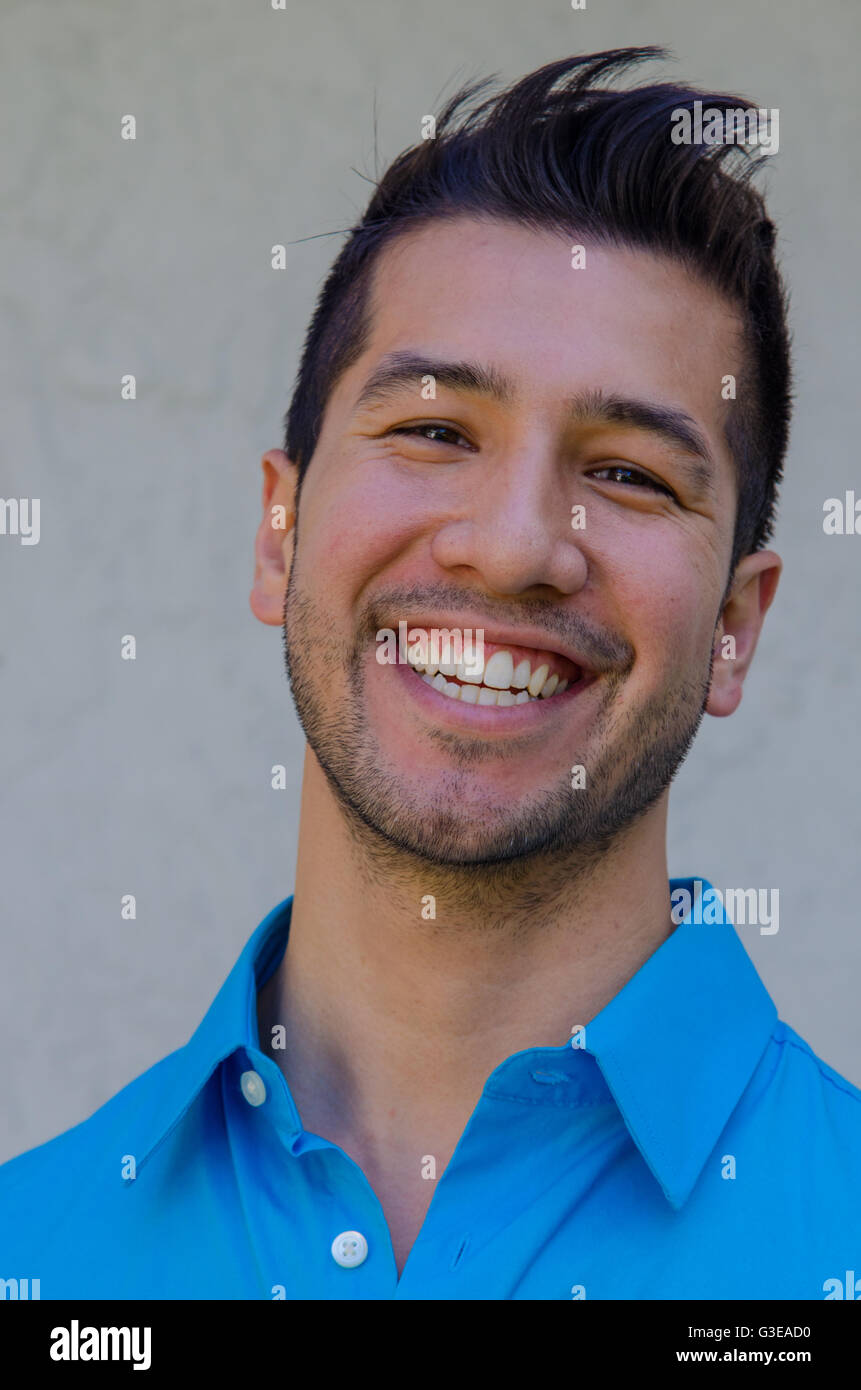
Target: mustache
x=564, y=627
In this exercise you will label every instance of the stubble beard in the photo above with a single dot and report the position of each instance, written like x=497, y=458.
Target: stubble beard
x=534, y=850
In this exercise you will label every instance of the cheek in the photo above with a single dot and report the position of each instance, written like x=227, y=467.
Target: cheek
x=351, y=528
x=664, y=608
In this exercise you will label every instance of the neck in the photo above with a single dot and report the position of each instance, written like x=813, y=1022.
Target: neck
x=395, y=1019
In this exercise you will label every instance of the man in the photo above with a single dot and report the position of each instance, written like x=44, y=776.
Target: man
x=544, y=398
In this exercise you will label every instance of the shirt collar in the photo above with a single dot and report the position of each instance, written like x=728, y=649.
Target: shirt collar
x=680, y=1041
x=230, y=1023
x=676, y=1046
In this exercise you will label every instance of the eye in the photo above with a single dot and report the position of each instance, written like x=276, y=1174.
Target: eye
x=643, y=480
x=434, y=434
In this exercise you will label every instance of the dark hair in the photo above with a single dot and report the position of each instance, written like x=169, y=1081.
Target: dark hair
x=557, y=151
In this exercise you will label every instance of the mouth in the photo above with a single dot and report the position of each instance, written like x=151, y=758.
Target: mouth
x=510, y=675
x=515, y=689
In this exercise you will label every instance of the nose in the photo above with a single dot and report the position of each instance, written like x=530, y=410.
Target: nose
x=517, y=533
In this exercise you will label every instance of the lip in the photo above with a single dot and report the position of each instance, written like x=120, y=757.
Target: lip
x=533, y=637
x=487, y=719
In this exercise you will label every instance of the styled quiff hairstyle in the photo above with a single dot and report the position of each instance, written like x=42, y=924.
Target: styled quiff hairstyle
x=558, y=150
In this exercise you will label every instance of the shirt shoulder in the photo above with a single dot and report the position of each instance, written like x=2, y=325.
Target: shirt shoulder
x=51, y=1185
x=797, y=1057
x=808, y=1115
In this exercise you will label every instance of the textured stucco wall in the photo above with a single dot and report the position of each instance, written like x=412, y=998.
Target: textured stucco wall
x=152, y=257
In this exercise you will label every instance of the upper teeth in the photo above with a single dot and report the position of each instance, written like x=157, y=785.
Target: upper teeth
x=497, y=681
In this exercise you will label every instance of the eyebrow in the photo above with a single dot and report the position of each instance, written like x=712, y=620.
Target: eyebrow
x=398, y=370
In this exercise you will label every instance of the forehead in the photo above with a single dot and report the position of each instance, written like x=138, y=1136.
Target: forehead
x=497, y=292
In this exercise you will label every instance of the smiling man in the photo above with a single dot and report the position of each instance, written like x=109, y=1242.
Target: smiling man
x=545, y=397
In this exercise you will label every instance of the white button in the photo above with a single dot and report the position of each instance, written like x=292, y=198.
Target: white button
x=252, y=1087
x=349, y=1249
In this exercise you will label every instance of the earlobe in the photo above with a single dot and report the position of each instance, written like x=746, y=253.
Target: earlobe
x=726, y=684
x=738, y=629
x=273, y=545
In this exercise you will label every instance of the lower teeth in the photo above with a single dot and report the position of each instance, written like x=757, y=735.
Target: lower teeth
x=516, y=697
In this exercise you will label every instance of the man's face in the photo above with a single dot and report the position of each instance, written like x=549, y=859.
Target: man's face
x=469, y=525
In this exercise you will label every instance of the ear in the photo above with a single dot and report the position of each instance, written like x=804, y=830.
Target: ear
x=273, y=544
x=738, y=629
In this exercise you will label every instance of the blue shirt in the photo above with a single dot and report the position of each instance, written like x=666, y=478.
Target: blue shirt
x=695, y=1147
